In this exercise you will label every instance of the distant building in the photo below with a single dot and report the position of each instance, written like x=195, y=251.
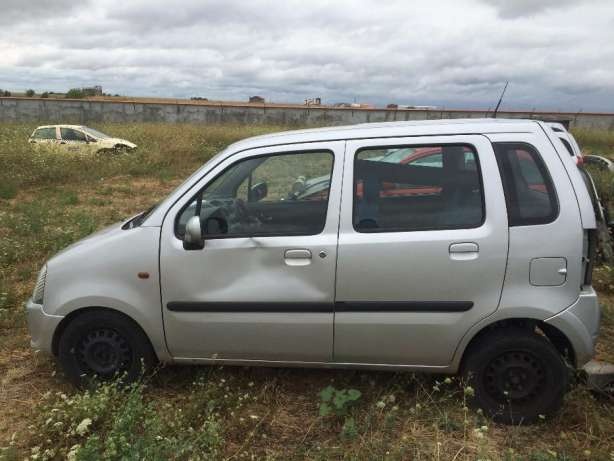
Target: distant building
x=355, y=105
x=423, y=107
x=405, y=106
x=256, y=99
x=313, y=102
x=95, y=90
x=358, y=105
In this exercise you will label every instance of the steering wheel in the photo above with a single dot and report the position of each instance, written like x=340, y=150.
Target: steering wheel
x=236, y=214
x=243, y=216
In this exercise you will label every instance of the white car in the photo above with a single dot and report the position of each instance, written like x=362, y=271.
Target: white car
x=570, y=143
x=599, y=161
x=78, y=138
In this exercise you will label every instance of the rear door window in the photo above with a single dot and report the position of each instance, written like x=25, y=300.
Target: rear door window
x=529, y=193
x=417, y=188
x=44, y=133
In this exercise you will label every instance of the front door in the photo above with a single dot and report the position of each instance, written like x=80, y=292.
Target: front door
x=73, y=140
x=422, y=248
x=262, y=288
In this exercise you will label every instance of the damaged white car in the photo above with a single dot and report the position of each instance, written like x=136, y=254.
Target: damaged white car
x=79, y=138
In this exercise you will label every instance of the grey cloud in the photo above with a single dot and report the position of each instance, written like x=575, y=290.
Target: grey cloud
x=452, y=55
x=16, y=11
x=511, y=9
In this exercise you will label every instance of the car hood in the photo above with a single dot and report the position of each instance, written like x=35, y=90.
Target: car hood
x=91, y=240
x=114, y=141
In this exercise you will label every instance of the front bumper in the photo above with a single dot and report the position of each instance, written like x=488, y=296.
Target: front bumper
x=580, y=323
x=41, y=326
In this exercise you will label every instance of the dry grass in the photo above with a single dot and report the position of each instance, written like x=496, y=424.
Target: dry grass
x=399, y=416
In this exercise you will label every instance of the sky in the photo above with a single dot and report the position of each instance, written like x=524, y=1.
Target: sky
x=556, y=54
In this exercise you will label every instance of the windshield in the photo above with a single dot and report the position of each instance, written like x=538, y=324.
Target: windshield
x=95, y=133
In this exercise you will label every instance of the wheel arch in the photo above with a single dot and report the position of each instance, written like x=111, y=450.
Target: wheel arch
x=57, y=334
x=556, y=337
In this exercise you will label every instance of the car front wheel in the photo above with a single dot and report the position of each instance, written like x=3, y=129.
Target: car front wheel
x=104, y=345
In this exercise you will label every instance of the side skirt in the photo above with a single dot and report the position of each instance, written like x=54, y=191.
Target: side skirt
x=326, y=365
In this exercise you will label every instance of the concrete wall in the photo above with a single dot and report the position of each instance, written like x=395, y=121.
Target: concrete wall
x=38, y=110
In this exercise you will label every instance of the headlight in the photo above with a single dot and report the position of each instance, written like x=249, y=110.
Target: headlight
x=39, y=289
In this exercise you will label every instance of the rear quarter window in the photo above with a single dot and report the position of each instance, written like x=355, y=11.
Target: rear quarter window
x=529, y=192
x=567, y=146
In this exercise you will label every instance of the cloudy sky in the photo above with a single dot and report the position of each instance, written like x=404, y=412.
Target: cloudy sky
x=557, y=54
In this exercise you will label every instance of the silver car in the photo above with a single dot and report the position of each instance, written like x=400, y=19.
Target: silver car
x=471, y=252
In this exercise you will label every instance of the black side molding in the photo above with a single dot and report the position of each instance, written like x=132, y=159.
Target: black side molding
x=340, y=306
x=403, y=306
x=249, y=307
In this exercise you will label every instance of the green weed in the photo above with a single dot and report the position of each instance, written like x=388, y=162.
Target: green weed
x=337, y=401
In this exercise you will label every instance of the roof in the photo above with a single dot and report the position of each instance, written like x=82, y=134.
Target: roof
x=62, y=126
x=390, y=129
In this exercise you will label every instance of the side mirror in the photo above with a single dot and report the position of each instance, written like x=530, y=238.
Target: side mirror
x=258, y=192
x=193, y=238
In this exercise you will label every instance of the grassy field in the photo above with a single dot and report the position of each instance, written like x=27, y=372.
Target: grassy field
x=48, y=201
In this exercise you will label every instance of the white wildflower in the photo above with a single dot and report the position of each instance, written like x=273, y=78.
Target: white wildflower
x=83, y=426
x=72, y=453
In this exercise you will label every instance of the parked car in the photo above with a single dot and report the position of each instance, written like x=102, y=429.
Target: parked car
x=78, y=138
x=317, y=188
x=604, y=240
x=487, y=275
x=599, y=162
x=570, y=143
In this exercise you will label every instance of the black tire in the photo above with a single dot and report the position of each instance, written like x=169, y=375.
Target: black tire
x=104, y=345
x=517, y=375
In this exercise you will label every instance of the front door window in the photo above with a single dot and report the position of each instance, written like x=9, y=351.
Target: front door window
x=264, y=196
x=69, y=134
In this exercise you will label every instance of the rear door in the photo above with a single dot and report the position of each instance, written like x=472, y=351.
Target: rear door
x=422, y=248
x=46, y=136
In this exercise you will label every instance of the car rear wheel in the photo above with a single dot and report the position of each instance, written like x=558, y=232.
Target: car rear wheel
x=104, y=345
x=517, y=375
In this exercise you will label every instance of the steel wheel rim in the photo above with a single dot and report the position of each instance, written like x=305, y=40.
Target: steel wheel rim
x=103, y=352
x=515, y=376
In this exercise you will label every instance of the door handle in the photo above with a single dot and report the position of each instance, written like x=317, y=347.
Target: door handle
x=298, y=257
x=297, y=254
x=464, y=251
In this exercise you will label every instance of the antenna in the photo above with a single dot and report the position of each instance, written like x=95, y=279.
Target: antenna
x=494, y=115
